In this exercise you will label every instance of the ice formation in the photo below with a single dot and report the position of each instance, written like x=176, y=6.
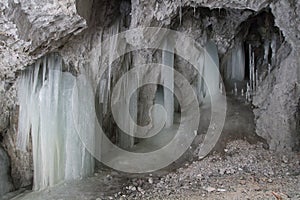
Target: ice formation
x=114, y=29
x=274, y=49
x=180, y=11
x=168, y=81
x=252, y=70
x=235, y=69
x=45, y=113
x=270, y=43
x=208, y=82
x=126, y=140
x=266, y=51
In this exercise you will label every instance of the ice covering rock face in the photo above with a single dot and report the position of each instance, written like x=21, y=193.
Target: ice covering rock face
x=28, y=30
x=46, y=119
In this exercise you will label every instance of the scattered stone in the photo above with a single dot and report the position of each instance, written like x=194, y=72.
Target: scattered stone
x=222, y=171
x=270, y=180
x=285, y=159
x=209, y=189
x=150, y=180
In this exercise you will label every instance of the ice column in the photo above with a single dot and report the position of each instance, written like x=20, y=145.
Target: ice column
x=180, y=11
x=253, y=82
x=114, y=29
x=208, y=66
x=274, y=48
x=235, y=69
x=211, y=68
x=200, y=79
x=168, y=80
x=266, y=53
x=131, y=82
x=45, y=108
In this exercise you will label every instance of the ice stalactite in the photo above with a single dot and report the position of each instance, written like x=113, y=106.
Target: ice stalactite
x=253, y=76
x=270, y=43
x=114, y=29
x=211, y=65
x=274, y=49
x=96, y=58
x=168, y=80
x=208, y=67
x=125, y=140
x=45, y=111
x=266, y=51
x=180, y=12
x=235, y=69
x=200, y=80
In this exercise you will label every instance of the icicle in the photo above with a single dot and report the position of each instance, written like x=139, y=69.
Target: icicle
x=194, y=10
x=168, y=80
x=23, y=98
x=235, y=89
x=274, y=49
x=250, y=65
x=180, y=11
x=127, y=141
x=256, y=80
x=242, y=92
x=221, y=88
x=200, y=79
x=252, y=71
x=96, y=59
x=114, y=29
x=102, y=90
x=266, y=53
x=211, y=65
x=248, y=93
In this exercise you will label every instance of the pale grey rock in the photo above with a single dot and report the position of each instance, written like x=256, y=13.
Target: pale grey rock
x=277, y=101
x=145, y=12
x=29, y=29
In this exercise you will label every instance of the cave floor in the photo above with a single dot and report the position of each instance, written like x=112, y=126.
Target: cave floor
x=244, y=171
x=241, y=167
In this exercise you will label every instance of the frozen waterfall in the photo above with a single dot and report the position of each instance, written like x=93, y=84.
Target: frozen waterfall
x=45, y=113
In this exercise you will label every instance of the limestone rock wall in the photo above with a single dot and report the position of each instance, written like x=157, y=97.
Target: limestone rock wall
x=5, y=181
x=277, y=103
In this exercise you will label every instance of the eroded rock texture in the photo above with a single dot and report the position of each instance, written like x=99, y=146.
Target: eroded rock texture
x=5, y=181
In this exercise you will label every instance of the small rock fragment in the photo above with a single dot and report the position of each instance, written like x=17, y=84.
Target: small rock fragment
x=209, y=189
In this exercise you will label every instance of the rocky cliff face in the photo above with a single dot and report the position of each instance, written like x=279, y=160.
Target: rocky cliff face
x=5, y=181
x=30, y=29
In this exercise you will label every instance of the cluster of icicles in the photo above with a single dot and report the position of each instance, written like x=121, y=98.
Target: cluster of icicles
x=45, y=98
x=235, y=67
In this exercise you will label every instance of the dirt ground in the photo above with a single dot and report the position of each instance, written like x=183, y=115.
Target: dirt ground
x=244, y=171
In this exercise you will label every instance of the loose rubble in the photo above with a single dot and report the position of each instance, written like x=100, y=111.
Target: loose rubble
x=244, y=172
